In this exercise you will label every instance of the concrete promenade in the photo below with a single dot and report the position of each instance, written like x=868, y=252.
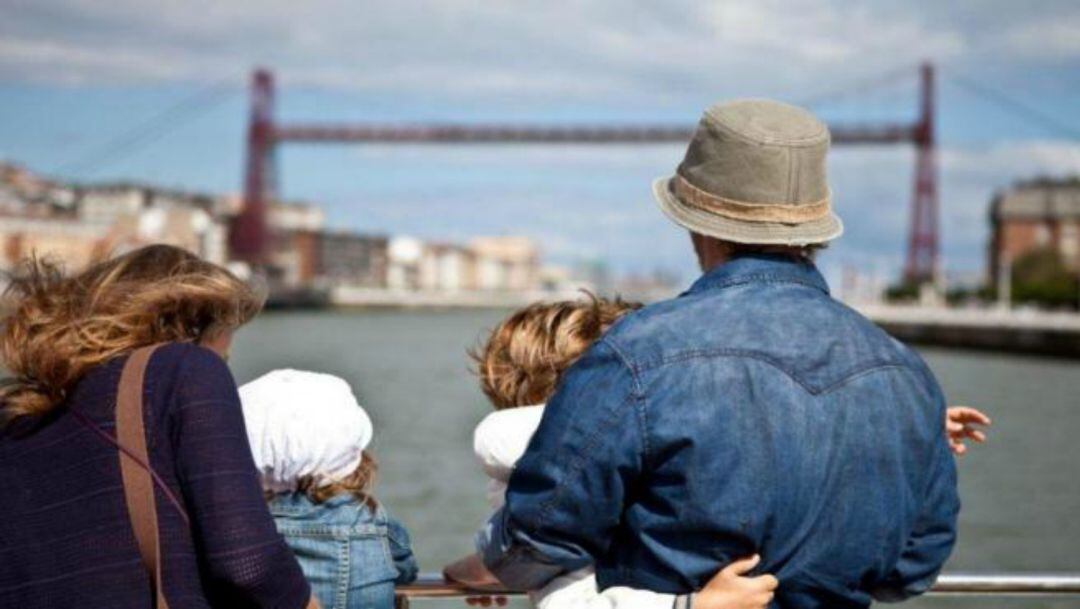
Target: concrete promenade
x=992, y=329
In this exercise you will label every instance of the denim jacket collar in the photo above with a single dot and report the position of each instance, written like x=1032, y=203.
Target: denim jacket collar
x=299, y=505
x=759, y=268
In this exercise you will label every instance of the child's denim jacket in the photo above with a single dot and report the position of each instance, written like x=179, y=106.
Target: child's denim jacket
x=351, y=555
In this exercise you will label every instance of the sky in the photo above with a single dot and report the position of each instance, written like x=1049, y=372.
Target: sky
x=80, y=80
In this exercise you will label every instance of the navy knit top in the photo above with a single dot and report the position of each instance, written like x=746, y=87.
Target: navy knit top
x=65, y=537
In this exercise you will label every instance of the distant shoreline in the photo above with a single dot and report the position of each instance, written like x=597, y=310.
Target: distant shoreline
x=353, y=297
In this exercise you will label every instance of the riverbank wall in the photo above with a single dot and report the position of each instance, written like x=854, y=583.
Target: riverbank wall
x=1011, y=331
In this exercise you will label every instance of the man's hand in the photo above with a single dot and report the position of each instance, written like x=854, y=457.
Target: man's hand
x=471, y=573
x=961, y=424
x=732, y=589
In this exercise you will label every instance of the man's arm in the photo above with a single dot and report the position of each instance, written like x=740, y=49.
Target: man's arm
x=732, y=587
x=934, y=535
x=566, y=494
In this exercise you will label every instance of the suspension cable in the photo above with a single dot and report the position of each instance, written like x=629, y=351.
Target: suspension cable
x=150, y=130
x=1020, y=109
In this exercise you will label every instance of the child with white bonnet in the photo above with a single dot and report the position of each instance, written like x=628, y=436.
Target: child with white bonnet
x=309, y=436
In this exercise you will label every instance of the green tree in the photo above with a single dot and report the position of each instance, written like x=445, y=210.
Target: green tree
x=903, y=291
x=1041, y=277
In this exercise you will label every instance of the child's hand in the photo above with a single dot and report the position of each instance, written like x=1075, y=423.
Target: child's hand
x=732, y=589
x=960, y=422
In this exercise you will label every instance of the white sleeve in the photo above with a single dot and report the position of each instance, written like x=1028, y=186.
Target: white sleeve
x=502, y=437
x=577, y=590
x=496, y=494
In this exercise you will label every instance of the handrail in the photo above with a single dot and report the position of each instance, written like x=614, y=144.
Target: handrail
x=1007, y=583
x=432, y=585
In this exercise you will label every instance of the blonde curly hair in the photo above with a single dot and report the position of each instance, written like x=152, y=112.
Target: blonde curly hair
x=527, y=353
x=54, y=327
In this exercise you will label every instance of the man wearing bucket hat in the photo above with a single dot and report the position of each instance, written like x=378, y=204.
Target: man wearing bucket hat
x=752, y=414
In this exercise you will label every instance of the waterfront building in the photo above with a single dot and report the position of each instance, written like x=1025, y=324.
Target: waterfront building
x=78, y=225
x=68, y=241
x=404, y=255
x=190, y=228
x=107, y=203
x=296, y=241
x=1035, y=215
x=137, y=214
x=447, y=267
x=76, y=243
x=297, y=256
x=506, y=263
x=307, y=258
x=287, y=216
x=352, y=259
x=25, y=193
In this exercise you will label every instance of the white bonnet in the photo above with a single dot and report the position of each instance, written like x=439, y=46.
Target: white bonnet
x=303, y=424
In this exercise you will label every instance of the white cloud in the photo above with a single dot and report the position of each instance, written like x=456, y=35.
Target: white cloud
x=587, y=49
x=828, y=33
x=1054, y=36
x=1006, y=160
x=71, y=64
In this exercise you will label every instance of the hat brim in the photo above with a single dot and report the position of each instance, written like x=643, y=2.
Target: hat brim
x=702, y=222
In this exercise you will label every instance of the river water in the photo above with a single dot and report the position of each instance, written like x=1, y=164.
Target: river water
x=1021, y=492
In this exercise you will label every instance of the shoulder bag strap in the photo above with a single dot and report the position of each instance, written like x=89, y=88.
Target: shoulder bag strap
x=138, y=481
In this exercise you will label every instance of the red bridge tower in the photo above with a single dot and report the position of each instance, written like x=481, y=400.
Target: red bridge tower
x=922, y=252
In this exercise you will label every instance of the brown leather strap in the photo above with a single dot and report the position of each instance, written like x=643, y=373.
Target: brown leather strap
x=138, y=480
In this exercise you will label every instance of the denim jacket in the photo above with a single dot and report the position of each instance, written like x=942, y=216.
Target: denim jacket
x=351, y=555
x=753, y=413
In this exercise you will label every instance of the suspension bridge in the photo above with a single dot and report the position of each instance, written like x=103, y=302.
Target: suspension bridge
x=250, y=237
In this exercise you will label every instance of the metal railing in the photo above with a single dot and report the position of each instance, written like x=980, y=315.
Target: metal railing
x=433, y=586
x=1007, y=583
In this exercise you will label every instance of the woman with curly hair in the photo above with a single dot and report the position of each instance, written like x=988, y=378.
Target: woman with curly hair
x=68, y=536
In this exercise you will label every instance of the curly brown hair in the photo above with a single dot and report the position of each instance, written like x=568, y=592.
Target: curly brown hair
x=56, y=327
x=527, y=353
x=359, y=484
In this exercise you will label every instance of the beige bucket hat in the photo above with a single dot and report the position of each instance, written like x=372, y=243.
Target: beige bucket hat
x=754, y=173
